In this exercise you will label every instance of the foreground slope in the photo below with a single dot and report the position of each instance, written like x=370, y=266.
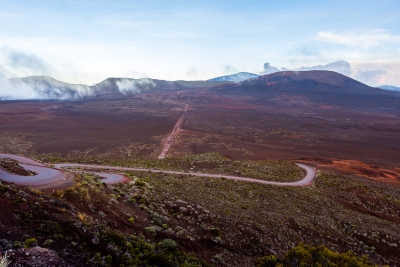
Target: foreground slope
x=155, y=217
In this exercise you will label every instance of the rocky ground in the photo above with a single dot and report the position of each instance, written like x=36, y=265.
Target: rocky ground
x=35, y=257
x=157, y=218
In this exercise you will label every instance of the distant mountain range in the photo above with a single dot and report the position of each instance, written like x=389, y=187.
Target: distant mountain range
x=315, y=87
x=238, y=77
x=389, y=87
x=45, y=87
x=340, y=66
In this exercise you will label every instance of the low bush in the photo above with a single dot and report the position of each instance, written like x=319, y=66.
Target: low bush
x=308, y=256
x=30, y=242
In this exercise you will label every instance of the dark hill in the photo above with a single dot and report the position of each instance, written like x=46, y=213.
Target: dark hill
x=317, y=87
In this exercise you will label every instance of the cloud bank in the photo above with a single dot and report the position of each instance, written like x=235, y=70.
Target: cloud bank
x=41, y=87
x=365, y=39
x=9, y=91
x=19, y=64
x=340, y=66
x=368, y=76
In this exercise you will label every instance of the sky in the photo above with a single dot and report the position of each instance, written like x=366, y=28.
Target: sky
x=88, y=41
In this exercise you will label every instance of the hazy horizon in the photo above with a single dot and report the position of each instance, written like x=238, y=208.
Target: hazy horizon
x=86, y=42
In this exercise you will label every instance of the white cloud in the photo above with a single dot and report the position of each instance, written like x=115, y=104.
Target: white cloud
x=229, y=69
x=268, y=69
x=365, y=39
x=370, y=77
x=192, y=72
x=9, y=91
x=339, y=66
x=132, y=86
x=22, y=64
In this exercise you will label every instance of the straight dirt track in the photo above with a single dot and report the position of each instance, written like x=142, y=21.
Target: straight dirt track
x=170, y=140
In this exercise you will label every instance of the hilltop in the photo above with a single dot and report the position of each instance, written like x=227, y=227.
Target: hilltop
x=319, y=87
x=238, y=77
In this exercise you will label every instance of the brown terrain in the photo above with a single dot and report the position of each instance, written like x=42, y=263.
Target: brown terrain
x=325, y=115
x=348, y=131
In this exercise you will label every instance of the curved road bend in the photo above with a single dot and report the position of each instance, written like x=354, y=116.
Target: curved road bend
x=170, y=140
x=45, y=175
x=310, y=173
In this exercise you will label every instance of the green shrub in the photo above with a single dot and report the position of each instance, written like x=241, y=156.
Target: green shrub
x=108, y=259
x=268, y=261
x=30, y=242
x=215, y=232
x=48, y=242
x=150, y=230
x=18, y=244
x=168, y=245
x=308, y=256
x=113, y=237
x=139, y=182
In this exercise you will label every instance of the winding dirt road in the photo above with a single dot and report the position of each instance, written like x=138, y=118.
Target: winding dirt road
x=170, y=140
x=46, y=175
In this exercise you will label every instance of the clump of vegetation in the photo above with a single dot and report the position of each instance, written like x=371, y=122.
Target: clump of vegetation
x=215, y=232
x=238, y=220
x=308, y=256
x=151, y=230
x=139, y=182
x=140, y=253
x=30, y=242
x=168, y=245
x=48, y=242
x=213, y=163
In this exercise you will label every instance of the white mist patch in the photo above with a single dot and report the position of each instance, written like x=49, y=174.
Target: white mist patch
x=133, y=86
x=41, y=87
x=9, y=91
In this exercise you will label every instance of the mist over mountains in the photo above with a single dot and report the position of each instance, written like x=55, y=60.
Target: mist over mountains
x=238, y=77
x=366, y=76
x=46, y=87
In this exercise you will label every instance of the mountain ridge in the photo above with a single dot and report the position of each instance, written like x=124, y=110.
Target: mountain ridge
x=295, y=82
x=237, y=77
x=46, y=87
x=389, y=87
x=318, y=87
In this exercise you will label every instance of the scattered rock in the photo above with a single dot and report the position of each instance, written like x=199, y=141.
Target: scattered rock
x=36, y=256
